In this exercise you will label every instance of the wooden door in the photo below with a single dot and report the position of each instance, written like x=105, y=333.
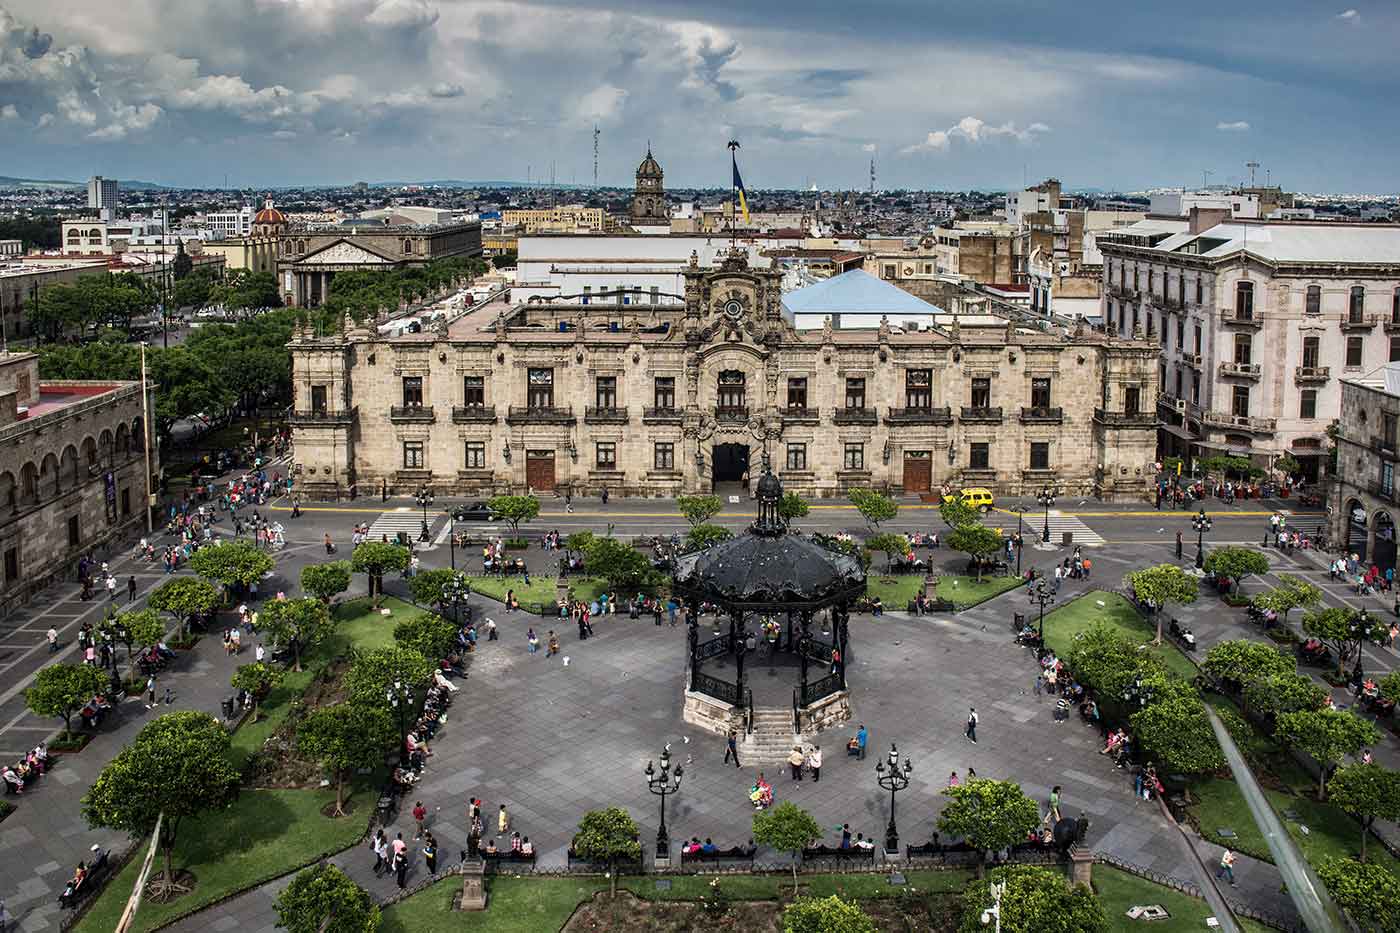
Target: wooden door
x=918, y=471
x=539, y=470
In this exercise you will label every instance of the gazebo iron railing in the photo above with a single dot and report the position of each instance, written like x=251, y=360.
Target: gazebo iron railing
x=819, y=689
x=714, y=687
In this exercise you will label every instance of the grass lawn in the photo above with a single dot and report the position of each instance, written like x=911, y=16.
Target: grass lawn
x=513, y=905
x=264, y=834
x=1062, y=625
x=896, y=591
x=539, y=593
x=360, y=625
x=1119, y=890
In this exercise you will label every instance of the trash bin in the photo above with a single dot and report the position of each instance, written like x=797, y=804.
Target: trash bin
x=227, y=704
x=1066, y=538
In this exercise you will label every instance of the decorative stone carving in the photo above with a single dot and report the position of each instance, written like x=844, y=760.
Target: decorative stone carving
x=344, y=252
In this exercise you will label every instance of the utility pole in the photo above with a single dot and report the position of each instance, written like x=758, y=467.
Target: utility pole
x=1251, y=166
x=146, y=435
x=595, y=155
x=1205, y=176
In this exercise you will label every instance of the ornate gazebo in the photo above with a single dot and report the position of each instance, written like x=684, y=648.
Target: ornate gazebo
x=773, y=576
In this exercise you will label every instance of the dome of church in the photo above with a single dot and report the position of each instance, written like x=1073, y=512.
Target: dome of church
x=269, y=215
x=649, y=168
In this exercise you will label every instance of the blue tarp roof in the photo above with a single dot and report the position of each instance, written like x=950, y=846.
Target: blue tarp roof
x=856, y=292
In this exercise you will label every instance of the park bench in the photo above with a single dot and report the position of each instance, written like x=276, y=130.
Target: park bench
x=623, y=868
x=732, y=854
x=836, y=853
x=507, y=858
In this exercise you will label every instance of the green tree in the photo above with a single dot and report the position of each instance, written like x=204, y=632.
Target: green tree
x=1176, y=732
x=1287, y=464
x=787, y=828
x=258, y=678
x=875, y=507
x=235, y=564
x=621, y=565
x=1343, y=630
x=300, y=624
x=345, y=738
x=184, y=598
x=890, y=543
x=1367, y=792
x=828, y=914
x=976, y=541
x=1236, y=563
x=1369, y=893
x=1275, y=694
x=579, y=542
x=323, y=899
x=177, y=765
x=704, y=535
x=426, y=587
x=1107, y=660
x=698, y=509
x=1035, y=900
x=374, y=559
x=138, y=627
x=791, y=506
x=60, y=690
x=956, y=513
x=1161, y=586
x=1327, y=735
x=607, y=837
x=1291, y=593
x=1240, y=661
x=326, y=581
x=513, y=510
x=989, y=815
x=430, y=635
x=371, y=673
x=1389, y=686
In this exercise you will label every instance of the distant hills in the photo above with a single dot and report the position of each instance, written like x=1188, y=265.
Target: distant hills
x=7, y=181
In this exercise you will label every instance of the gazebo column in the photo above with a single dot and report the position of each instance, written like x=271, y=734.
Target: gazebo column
x=804, y=620
x=843, y=637
x=692, y=635
x=736, y=631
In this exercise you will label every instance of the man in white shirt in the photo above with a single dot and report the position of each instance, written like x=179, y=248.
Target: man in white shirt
x=259, y=654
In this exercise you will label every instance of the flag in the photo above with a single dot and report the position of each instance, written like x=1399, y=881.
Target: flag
x=739, y=189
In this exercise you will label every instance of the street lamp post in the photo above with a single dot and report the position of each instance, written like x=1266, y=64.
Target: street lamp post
x=662, y=783
x=400, y=696
x=425, y=501
x=1046, y=499
x=1202, y=524
x=893, y=779
x=455, y=592
x=453, y=517
x=1044, y=596
x=992, y=913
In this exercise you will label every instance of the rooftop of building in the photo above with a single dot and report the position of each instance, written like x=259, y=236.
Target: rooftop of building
x=856, y=292
x=1385, y=379
x=1293, y=241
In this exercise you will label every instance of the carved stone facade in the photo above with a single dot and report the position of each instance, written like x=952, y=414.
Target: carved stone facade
x=308, y=259
x=659, y=401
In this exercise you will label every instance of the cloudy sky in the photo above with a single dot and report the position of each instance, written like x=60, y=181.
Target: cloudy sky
x=941, y=94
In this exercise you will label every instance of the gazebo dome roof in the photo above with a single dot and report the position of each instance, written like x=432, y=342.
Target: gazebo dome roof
x=778, y=572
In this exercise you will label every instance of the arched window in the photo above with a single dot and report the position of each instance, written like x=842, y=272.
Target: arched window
x=29, y=484
x=408, y=246
x=1356, y=305
x=1314, y=300
x=1244, y=301
x=1395, y=306
x=9, y=492
x=730, y=395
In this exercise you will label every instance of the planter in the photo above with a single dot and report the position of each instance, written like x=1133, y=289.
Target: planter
x=71, y=742
x=1233, y=599
x=516, y=544
x=184, y=643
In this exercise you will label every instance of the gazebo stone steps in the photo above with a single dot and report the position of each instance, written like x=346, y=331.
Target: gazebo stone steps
x=772, y=737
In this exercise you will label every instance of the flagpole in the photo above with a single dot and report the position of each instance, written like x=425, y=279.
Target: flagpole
x=733, y=195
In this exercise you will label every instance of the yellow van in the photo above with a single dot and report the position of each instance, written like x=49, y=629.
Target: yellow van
x=978, y=497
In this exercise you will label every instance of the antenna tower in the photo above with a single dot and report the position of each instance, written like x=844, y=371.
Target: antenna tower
x=595, y=155
x=1251, y=166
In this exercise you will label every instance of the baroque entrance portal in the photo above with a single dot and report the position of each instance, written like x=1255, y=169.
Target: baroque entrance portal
x=731, y=462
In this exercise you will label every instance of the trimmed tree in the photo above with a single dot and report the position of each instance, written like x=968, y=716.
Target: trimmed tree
x=344, y=738
x=1161, y=586
x=1238, y=662
x=875, y=507
x=177, y=765
x=184, y=598
x=1177, y=733
x=1036, y=900
x=1291, y=593
x=791, y=506
x=513, y=510
x=1327, y=735
x=1369, y=893
x=698, y=510
x=607, y=837
x=372, y=672
x=976, y=541
x=989, y=815
x=890, y=543
x=235, y=564
x=326, y=581
x=1277, y=694
x=1236, y=563
x=300, y=624
x=705, y=535
x=426, y=587
x=1107, y=660
x=1343, y=631
x=258, y=678
x=60, y=690
x=323, y=899
x=1389, y=686
x=374, y=559
x=787, y=828
x=826, y=915
x=956, y=513
x=1367, y=792
x=620, y=565
x=138, y=628
x=430, y=635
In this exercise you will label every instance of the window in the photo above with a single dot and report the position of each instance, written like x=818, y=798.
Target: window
x=1311, y=351
x=1239, y=402
x=1353, y=351
x=476, y=455
x=1244, y=301
x=1307, y=403
x=918, y=388
x=318, y=398
x=855, y=456
x=1040, y=392
x=1178, y=383
x=605, y=392
x=1162, y=326
x=74, y=537
x=1199, y=291
x=981, y=392
x=1243, y=348
x=731, y=389
x=1161, y=377
x=888, y=271
x=413, y=455
x=1135, y=279
x=607, y=455
x=412, y=391
x=1197, y=351
x=797, y=456
x=474, y=391
x=408, y=246
x=11, y=564
x=587, y=293
x=656, y=294
x=855, y=393
x=664, y=457
x=1135, y=321
x=1356, y=304
x=1181, y=333
x=1195, y=388
x=1040, y=455
x=1388, y=432
x=797, y=394
x=1313, y=303
x=1387, y=483
x=1132, y=400
x=665, y=392
x=1395, y=348
x=541, y=391
x=1395, y=307
x=980, y=456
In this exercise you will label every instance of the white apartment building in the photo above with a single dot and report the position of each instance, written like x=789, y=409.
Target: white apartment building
x=1258, y=321
x=93, y=236
x=1241, y=205
x=1043, y=197
x=102, y=196
x=226, y=225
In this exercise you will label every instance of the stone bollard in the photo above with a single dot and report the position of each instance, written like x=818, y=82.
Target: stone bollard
x=1081, y=867
x=473, y=886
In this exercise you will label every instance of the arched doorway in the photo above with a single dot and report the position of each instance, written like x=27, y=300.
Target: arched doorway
x=1356, y=530
x=731, y=462
x=1384, y=553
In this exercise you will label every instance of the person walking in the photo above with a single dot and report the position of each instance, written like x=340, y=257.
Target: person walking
x=553, y=647
x=814, y=763
x=1178, y=545
x=52, y=636
x=532, y=641
x=861, y=737
x=131, y=589
x=330, y=546
x=420, y=813
x=502, y=821
x=795, y=760
x=1054, y=805
x=401, y=869
x=150, y=692
x=1227, y=868
x=380, y=847
x=430, y=851
x=971, y=732
x=731, y=748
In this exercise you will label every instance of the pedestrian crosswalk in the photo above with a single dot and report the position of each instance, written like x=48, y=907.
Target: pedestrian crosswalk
x=1059, y=524
x=406, y=519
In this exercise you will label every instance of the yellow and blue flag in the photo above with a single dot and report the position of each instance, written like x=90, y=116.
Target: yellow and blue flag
x=739, y=191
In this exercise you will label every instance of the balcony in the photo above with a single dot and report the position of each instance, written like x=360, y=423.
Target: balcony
x=1193, y=361
x=1119, y=419
x=1126, y=292
x=1385, y=446
x=732, y=414
x=1359, y=322
x=1230, y=318
x=1040, y=415
x=655, y=415
x=474, y=414
x=854, y=416
x=539, y=415
x=1239, y=370
x=412, y=414
x=981, y=414
x=1220, y=419
x=595, y=415
x=794, y=415
x=942, y=416
x=1392, y=326
x=1311, y=375
x=321, y=416
x=1382, y=491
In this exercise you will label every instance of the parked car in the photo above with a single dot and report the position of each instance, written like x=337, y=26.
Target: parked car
x=473, y=512
x=978, y=497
